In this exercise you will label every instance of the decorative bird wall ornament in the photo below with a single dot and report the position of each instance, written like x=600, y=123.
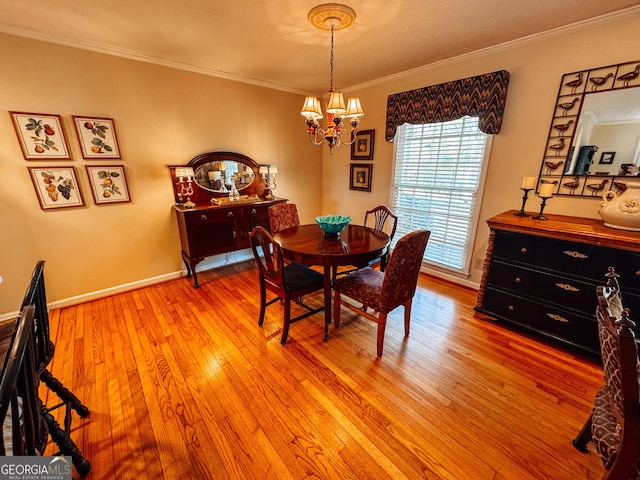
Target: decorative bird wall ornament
x=563, y=127
x=574, y=84
x=599, y=81
x=620, y=186
x=596, y=187
x=558, y=146
x=572, y=185
x=627, y=77
x=551, y=166
x=568, y=106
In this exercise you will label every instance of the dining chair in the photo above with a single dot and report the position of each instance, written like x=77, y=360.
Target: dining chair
x=614, y=424
x=23, y=428
x=44, y=351
x=384, y=291
x=377, y=217
x=289, y=283
x=283, y=216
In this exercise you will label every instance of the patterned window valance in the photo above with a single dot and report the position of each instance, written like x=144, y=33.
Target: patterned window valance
x=483, y=96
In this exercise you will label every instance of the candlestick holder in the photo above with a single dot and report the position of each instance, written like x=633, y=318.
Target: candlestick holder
x=542, y=205
x=522, y=213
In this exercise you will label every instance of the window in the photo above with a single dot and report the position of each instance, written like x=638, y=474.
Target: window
x=437, y=185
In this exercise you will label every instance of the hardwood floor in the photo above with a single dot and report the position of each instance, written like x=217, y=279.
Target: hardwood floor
x=182, y=383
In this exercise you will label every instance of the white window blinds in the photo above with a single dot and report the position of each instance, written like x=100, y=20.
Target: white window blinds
x=438, y=168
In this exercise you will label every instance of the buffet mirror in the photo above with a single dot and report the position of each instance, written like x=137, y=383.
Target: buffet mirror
x=594, y=139
x=214, y=174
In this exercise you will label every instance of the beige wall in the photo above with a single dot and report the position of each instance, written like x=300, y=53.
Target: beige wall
x=536, y=68
x=163, y=116
x=166, y=116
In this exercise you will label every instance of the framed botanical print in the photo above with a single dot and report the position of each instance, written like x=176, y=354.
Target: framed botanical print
x=362, y=146
x=108, y=184
x=97, y=137
x=56, y=187
x=40, y=135
x=360, y=177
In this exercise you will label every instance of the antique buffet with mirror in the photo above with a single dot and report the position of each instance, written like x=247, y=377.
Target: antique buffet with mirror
x=219, y=198
x=541, y=276
x=594, y=139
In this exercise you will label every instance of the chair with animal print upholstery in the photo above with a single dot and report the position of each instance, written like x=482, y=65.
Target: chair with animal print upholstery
x=614, y=424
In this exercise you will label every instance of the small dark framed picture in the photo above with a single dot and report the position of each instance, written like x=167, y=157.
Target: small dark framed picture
x=362, y=146
x=607, y=157
x=360, y=177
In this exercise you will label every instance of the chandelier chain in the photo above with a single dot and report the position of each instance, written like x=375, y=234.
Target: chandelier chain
x=331, y=63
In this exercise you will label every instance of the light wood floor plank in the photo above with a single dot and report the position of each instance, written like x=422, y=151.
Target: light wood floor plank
x=183, y=383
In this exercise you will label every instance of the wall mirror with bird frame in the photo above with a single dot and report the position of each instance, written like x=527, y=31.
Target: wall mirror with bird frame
x=597, y=112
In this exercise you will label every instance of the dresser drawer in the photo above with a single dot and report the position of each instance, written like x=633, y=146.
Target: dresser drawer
x=569, y=258
x=578, y=330
x=212, y=216
x=547, y=287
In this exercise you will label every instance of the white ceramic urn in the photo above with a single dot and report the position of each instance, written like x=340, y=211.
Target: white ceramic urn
x=622, y=210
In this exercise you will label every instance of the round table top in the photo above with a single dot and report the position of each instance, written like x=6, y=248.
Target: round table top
x=307, y=244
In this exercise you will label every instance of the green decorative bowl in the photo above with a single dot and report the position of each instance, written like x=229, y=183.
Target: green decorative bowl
x=332, y=225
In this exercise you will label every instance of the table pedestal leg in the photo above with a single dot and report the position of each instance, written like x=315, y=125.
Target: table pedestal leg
x=327, y=301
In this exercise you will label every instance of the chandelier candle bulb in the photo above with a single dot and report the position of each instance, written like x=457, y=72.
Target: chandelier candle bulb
x=528, y=183
x=546, y=190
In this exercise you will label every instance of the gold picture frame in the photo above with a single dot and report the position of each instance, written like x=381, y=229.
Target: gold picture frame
x=41, y=136
x=97, y=137
x=56, y=187
x=108, y=184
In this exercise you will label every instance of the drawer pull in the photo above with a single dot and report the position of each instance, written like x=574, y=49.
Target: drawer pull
x=523, y=250
x=510, y=308
x=203, y=217
x=518, y=280
x=567, y=287
x=637, y=273
x=557, y=318
x=253, y=211
x=575, y=254
x=230, y=214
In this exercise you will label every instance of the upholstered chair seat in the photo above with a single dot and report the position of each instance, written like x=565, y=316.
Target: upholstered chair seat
x=384, y=291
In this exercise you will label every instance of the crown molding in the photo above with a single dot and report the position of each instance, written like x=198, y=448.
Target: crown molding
x=600, y=21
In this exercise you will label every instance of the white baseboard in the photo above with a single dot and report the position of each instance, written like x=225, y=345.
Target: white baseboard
x=217, y=261
x=210, y=263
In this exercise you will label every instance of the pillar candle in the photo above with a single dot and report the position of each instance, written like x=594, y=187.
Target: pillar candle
x=529, y=183
x=546, y=189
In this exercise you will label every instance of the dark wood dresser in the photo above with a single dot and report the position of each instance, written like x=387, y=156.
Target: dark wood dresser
x=211, y=230
x=542, y=275
x=209, y=222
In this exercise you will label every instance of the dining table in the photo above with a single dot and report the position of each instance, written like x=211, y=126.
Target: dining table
x=307, y=244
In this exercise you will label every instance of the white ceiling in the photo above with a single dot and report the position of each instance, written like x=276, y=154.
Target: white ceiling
x=270, y=42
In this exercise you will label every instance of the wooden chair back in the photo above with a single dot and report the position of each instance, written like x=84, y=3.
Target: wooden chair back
x=24, y=431
x=379, y=215
x=401, y=275
x=619, y=446
x=36, y=295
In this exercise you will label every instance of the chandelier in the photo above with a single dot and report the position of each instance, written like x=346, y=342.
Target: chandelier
x=332, y=16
